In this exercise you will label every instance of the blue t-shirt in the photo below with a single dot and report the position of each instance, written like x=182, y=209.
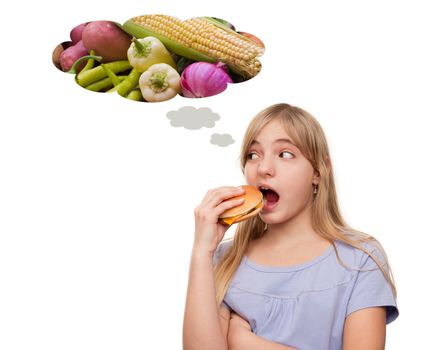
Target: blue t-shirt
x=305, y=306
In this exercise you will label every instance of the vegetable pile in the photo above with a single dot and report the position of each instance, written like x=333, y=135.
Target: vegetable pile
x=153, y=58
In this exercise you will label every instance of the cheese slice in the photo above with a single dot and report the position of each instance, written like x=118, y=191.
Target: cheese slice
x=231, y=220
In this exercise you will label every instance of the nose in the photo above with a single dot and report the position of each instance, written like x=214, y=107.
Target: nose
x=266, y=166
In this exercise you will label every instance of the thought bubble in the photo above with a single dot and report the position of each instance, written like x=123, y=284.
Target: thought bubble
x=222, y=140
x=192, y=118
x=195, y=58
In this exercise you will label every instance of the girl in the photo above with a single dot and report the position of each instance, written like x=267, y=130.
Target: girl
x=296, y=276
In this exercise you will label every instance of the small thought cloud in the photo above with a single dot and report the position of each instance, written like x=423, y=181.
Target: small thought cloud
x=192, y=118
x=222, y=140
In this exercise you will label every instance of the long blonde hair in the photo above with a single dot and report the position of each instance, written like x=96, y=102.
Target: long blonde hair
x=308, y=136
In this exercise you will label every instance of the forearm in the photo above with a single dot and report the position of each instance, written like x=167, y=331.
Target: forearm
x=202, y=328
x=251, y=341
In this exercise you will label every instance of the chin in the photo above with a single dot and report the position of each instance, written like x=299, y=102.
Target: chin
x=275, y=218
x=271, y=219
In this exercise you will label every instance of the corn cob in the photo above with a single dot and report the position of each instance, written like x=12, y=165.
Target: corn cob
x=200, y=39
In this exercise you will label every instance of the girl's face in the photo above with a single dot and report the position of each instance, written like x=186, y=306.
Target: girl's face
x=286, y=178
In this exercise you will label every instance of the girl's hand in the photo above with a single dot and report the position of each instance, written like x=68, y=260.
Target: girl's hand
x=237, y=321
x=241, y=337
x=208, y=231
x=238, y=327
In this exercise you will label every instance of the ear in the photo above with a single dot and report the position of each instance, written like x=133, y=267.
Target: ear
x=316, y=177
x=326, y=167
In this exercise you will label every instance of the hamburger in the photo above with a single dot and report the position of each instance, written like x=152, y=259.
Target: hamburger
x=253, y=202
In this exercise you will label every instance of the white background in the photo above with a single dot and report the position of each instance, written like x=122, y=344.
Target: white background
x=97, y=193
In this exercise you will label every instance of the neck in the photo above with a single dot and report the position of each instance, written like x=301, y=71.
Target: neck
x=297, y=230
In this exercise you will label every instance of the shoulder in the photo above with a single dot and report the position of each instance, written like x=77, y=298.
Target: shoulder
x=373, y=285
x=221, y=250
x=362, y=252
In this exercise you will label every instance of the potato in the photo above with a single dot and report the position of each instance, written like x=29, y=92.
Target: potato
x=107, y=40
x=76, y=33
x=71, y=55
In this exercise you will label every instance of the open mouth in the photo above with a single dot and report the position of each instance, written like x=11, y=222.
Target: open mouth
x=270, y=197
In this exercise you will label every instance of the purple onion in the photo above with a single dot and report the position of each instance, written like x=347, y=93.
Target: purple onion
x=203, y=79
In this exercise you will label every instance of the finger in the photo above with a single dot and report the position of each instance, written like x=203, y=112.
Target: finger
x=222, y=194
x=217, y=201
x=228, y=204
x=238, y=321
x=215, y=196
x=234, y=315
x=212, y=214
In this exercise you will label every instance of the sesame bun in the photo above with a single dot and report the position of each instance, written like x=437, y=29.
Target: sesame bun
x=253, y=202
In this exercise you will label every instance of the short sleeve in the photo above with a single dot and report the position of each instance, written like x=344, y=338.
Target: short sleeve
x=220, y=251
x=371, y=289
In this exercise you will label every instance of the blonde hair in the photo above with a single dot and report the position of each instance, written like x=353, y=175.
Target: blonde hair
x=308, y=136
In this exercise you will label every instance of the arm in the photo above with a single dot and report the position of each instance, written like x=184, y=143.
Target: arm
x=202, y=327
x=365, y=329
x=241, y=337
x=224, y=319
x=205, y=324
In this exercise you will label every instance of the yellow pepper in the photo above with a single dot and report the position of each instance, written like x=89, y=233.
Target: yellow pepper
x=145, y=52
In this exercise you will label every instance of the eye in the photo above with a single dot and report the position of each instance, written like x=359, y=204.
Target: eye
x=252, y=155
x=286, y=154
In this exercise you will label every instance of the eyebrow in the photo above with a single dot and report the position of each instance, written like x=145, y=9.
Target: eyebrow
x=282, y=140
